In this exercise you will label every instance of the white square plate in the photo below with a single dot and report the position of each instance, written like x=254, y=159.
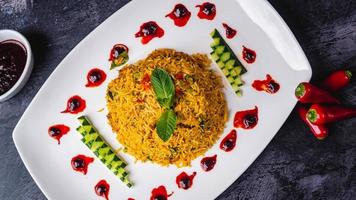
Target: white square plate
x=259, y=28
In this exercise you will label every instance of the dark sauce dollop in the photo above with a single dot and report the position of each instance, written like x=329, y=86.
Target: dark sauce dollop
x=148, y=31
x=269, y=85
x=229, y=32
x=207, y=11
x=58, y=131
x=13, y=57
x=95, y=77
x=102, y=189
x=184, y=180
x=75, y=105
x=246, y=119
x=160, y=193
x=80, y=163
x=180, y=15
x=229, y=142
x=208, y=163
x=248, y=55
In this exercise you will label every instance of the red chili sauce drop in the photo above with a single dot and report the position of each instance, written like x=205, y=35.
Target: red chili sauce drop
x=207, y=11
x=180, y=15
x=13, y=57
x=230, y=32
x=102, y=189
x=208, y=163
x=95, y=77
x=57, y=131
x=160, y=193
x=130, y=199
x=146, y=82
x=246, y=119
x=185, y=181
x=148, y=31
x=229, y=142
x=117, y=50
x=80, y=163
x=269, y=85
x=248, y=55
x=75, y=105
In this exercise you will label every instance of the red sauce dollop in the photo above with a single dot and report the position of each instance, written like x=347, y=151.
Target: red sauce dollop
x=117, y=50
x=80, y=163
x=269, y=85
x=146, y=82
x=229, y=142
x=208, y=163
x=75, y=105
x=246, y=119
x=95, y=77
x=57, y=131
x=180, y=15
x=160, y=193
x=185, y=181
x=248, y=55
x=230, y=32
x=130, y=199
x=207, y=11
x=148, y=31
x=102, y=189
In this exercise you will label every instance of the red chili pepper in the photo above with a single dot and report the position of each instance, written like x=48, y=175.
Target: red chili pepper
x=146, y=82
x=321, y=114
x=337, y=80
x=179, y=76
x=319, y=131
x=308, y=93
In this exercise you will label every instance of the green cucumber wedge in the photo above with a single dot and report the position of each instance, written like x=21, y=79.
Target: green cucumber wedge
x=220, y=47
x=93, y=140
x=227, y=61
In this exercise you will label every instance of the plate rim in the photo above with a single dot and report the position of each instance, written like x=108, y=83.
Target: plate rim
x=16, y=133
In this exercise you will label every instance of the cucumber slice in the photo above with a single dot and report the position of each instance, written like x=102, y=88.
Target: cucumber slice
x=238, y=81
x=215, y=34
x=230, y=62
x=230, y=79
x=93, y=140
x=237, y=70
x=226, y=72
x=215, y=56
x=221, y=64
x=238, y=93
x=216, y=42
x=219, y=49
x=225, y=56
x=229, y=67
x=233, y=73
x=235, y=87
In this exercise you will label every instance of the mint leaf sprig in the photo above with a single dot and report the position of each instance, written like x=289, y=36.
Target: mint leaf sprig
x=164, y=89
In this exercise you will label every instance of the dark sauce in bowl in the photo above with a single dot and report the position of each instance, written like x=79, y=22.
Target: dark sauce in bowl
x=13, y=57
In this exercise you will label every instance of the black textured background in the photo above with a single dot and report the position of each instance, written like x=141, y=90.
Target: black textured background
x=293, y=166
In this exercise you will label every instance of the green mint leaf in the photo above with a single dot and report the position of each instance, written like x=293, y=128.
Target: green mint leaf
x=163, y=87
x=166, y=124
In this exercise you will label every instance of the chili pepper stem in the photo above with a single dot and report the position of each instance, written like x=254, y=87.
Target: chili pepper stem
x=348, y=74
x=300, y=90
x=312, y=115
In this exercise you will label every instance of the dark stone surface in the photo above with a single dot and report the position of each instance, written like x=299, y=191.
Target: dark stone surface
x=293, y=166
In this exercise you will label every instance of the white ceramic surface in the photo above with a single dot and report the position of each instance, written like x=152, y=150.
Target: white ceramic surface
x=259, y=27
x=14, y=35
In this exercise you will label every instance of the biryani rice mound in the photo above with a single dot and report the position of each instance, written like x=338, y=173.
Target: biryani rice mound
x=199, y=104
